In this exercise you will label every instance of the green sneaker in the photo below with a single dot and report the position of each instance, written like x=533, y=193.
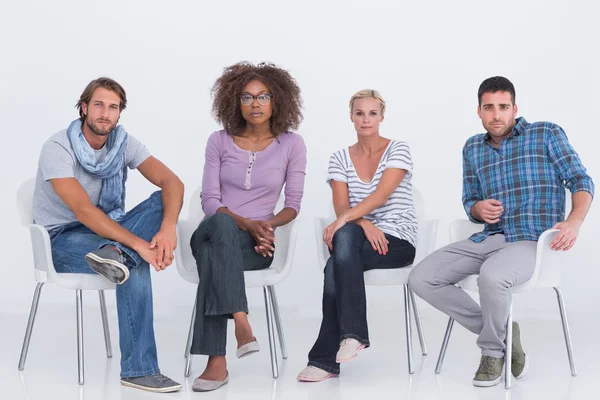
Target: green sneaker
x=520, y=361
x=489, y=372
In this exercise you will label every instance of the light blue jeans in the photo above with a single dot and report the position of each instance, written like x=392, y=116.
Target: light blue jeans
x=71, y=242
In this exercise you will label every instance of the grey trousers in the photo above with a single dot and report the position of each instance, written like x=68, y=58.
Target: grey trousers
x=223, y=252
x=500, y=266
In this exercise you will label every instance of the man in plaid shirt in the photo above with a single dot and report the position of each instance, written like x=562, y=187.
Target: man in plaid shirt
x=514, y=180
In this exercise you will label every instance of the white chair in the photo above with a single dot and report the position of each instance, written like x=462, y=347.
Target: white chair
x=545, y=275
x=266, y=278
x=397, y=276
x=45, y=273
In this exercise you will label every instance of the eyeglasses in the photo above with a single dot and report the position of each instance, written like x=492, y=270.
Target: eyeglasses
x=263, y=99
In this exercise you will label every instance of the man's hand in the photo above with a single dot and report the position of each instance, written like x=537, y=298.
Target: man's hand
x=565, y=239
x=165, y=242
x=150, y=256
x=488, y=210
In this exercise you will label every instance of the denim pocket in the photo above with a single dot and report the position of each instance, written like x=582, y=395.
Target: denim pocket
x=53, y=233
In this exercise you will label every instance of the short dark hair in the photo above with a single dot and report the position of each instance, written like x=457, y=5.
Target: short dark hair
x=496, y=84
x=105, y=83
x=287, y=102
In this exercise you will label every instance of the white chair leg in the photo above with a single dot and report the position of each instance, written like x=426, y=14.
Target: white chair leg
x=440, y=360
x=79, y=306
x=408, y=329
x=566, y=330
x=105, y=327
x=277, y=315
x=30, y=322
x=188, y=345
x=508, y=351
x=418, y=322
x=271, y=331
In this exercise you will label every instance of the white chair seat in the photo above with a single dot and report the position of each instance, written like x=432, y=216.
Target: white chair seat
x=84, y=282
x=383, y=277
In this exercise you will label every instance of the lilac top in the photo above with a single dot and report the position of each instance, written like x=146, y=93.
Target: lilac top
x=249, y=183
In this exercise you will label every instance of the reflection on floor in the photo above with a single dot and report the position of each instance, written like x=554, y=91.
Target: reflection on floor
x=379, y=372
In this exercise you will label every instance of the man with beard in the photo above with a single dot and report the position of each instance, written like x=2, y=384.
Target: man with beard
x=514, y=180
x=80, y=199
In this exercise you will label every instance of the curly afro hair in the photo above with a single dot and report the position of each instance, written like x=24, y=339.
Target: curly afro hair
x=286, y=101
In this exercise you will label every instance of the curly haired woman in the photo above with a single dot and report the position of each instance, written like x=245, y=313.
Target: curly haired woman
x=246, y=166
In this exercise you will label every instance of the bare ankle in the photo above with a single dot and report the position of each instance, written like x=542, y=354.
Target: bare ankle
x=216, y=361
x=216, y=368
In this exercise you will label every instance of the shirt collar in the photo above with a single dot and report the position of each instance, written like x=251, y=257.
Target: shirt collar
x=519, y=128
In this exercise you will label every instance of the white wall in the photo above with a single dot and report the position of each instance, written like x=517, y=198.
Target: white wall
x=427, y=58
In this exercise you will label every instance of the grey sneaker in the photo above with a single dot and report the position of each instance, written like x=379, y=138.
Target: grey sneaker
x=520, y=361
x=489, y=372
x=157, y=383
x=108, y=262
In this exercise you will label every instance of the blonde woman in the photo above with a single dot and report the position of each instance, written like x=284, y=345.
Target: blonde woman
x=376, y=227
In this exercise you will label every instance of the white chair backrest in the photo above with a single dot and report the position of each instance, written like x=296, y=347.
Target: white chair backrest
x=25, y=201
x=196, y=206
x=322, y=250
x=461, y=229
x=427, y=230
x=419, y=204
x=548, y=262
x=184, y=259
x=40, y=240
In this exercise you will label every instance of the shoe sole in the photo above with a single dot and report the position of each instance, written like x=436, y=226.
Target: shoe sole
x=487, y=383
x=98, y=265
x=248, y=353
x=525, y=367
x=251, y=349
x=150, y=389
x=306, y=379
x=359, y=348
x=199, y=390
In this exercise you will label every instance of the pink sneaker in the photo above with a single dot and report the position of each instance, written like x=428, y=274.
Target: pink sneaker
x=314, y=374
x=349, y=349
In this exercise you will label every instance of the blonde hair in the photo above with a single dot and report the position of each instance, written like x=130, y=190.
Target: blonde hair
x=368, y=93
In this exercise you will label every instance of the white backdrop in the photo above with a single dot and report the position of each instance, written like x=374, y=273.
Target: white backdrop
x=427, y=58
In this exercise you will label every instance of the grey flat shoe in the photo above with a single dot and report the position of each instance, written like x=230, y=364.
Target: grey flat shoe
x=202, y=385
x=247, y=349
x=157, y=383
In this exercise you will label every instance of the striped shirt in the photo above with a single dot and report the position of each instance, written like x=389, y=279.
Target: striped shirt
x=528, y=174
x=397, y=216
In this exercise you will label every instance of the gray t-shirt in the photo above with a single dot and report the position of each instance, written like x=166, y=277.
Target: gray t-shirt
x=57, y=160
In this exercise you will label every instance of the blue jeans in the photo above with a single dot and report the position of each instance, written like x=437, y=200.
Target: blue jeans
x=344, y=297
x=222, y=252
x=71, y=242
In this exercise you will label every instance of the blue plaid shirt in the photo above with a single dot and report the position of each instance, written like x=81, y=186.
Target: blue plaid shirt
x=528, y=174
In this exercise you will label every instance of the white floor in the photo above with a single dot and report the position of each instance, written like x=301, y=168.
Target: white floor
x=379, y=372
